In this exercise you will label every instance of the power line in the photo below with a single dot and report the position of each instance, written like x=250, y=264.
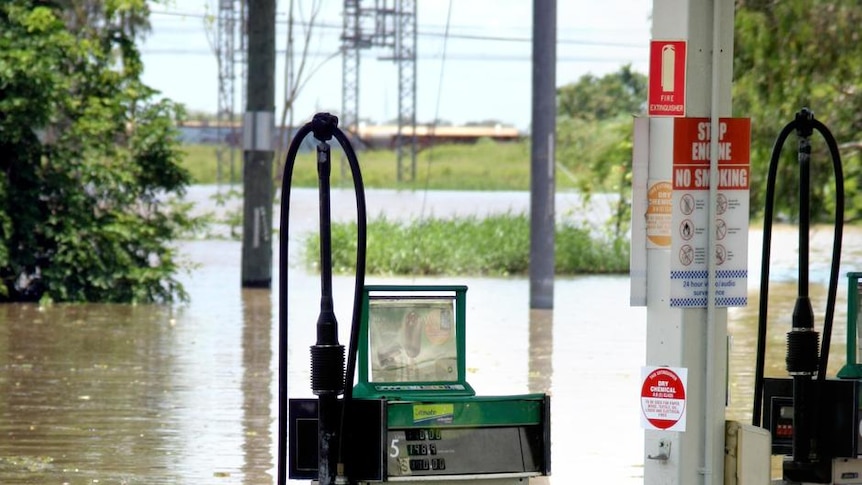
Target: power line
x=473, y=57
x=435, y=34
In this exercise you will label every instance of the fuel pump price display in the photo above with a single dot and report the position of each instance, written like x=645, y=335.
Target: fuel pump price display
x=690, y=221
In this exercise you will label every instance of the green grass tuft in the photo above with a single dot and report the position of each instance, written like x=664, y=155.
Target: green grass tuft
x=497, y=245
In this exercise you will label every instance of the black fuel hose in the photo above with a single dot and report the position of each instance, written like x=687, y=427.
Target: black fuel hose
x=359, y=188
x=823, y=359
x=837, y=237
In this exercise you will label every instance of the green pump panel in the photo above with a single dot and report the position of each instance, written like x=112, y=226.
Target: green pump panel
x=413, y=415
x=853, y=369
x=412, y=342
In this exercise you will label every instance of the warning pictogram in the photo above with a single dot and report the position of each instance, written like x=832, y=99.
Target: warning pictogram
x=663, y=398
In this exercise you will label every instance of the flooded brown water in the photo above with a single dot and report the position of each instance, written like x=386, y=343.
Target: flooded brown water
x=124, y=394
x=120, y=394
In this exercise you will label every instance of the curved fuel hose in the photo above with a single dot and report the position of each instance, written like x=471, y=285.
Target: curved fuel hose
x=323, y=125
x=804, y=124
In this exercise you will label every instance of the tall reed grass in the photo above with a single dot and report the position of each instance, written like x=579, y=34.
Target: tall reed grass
x=497, y=245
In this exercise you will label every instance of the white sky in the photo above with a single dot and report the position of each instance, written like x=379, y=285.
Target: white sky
x=459, y=79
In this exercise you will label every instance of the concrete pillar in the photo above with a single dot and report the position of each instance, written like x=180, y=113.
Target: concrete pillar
x=693, y=338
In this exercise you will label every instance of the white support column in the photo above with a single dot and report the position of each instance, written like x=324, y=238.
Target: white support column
x=694, y=339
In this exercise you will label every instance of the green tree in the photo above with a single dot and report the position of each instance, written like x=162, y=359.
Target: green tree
x=89, y=161
x=594, y=135
x=594, y=119
x=793, y=54
x=600, y=98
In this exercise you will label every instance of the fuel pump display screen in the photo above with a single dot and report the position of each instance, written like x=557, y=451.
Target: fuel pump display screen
x=412, y=339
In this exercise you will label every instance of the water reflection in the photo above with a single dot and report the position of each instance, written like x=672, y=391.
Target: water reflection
x=155, y=395
x=143, y=394
x=82, y=394
x=257, y=380
x=541, y=351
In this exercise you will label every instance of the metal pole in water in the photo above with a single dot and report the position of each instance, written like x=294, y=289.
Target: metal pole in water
x=258, y=126
x=542, y=154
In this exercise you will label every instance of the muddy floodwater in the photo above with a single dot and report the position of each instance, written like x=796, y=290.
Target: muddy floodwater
x=120, y=394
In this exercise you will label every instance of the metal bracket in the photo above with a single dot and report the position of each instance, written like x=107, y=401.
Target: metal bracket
x=663, y=451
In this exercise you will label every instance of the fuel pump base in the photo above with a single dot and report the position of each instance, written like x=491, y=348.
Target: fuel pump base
x=502, y=438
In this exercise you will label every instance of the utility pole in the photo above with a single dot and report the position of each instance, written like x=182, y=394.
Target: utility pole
x=542, y=154
x=258, y=146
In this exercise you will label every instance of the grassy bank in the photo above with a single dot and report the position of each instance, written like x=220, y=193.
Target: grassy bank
x=486, y=165
x=492, y=246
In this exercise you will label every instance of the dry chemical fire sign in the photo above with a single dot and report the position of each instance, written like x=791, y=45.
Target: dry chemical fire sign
x=666, y=96
x=663, y=398
x=690, y=222
x=658, y=213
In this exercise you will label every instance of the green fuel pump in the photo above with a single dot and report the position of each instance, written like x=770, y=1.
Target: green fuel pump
x=813, y=421
x=852, y=368
x=412, y=415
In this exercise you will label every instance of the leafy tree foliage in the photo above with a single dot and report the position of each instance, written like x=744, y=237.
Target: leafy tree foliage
x=602, y=98
x=594, y=139
x=88, y=157
x=793, y=54
x=788, y=55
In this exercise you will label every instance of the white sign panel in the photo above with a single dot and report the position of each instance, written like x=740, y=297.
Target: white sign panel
x=640, y=174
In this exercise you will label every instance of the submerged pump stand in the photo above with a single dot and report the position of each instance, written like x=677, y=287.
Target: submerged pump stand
x=811, y=459
x=327, y=355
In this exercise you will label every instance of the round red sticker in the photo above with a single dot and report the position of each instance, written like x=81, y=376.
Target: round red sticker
x=663, y=398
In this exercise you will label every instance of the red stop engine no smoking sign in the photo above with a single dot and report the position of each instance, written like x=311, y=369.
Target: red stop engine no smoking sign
x=663, y=398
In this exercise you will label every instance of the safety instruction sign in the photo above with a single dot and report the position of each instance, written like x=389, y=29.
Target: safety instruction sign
x=691, y=225
x=658, y=213
x=663, y=398
x=666, y=94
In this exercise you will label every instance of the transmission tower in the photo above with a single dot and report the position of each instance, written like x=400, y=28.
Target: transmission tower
x=387, y=24
x=405, y=57
x=230, y=51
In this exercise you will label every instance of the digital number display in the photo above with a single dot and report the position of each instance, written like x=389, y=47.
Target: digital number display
x=422, y=434
x=417, y=450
